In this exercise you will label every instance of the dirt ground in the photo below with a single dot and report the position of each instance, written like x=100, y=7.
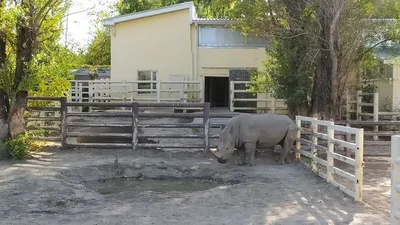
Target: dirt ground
x=49, y=189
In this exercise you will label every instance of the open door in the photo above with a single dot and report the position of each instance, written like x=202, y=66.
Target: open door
x=216, y=91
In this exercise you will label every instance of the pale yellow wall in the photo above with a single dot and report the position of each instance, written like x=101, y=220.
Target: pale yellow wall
x=168, y=43
x=161, y=43
x=217, y=61
x=385, y=90
x=396, y=86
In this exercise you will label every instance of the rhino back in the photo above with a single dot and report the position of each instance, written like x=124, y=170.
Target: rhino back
x=270, y=128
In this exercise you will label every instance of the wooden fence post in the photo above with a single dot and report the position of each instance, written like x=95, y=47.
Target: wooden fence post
x=348, y=114
x=273, y=104
x=358, y=111
x=90, y=87
x=135, y=125
x=63, y=127
x=348, y=139
x=359, y=157
x=298, y=136
x=158, y=86
x=395, y=177
x=206, y=123
x=376, y=113
x=314, y=142
x=329, y=157
x=231, y=96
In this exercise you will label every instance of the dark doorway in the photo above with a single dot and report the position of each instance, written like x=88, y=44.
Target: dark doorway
x=217, y=91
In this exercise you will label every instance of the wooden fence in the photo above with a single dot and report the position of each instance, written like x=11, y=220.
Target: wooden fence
x=134, y=124
x=245, y=100
x=364, y=101
x=240, y=99
x=62, y=130
x=330, y=169
x=46, y=115
x=156, y=91
x=46, y=118
x=374, y=137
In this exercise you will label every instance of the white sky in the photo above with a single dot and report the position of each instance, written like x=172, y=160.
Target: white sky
x=81, y=25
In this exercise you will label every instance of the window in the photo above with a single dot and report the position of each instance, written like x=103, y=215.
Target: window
x=147, y=76
x=224, y=36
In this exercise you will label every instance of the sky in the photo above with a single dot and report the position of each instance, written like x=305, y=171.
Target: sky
x=81, y=25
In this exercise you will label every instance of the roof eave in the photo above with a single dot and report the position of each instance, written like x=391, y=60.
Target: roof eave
x=214, y=22
x=142, y=14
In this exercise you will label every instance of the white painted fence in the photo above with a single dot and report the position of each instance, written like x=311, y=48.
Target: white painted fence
x=355, y=102
x=395, y=180
x=315, y=147
x=169, y=91
x=263, y=102
x=113, y=91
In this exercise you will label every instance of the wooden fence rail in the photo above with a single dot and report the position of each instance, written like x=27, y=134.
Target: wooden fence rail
x=331, y=170
x=381, y=137
x=134, y=125
x=53, y=110
x=47, y=109
x=59, y=105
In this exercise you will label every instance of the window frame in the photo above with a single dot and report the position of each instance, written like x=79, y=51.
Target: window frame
x=223, y=34
x=152, y=82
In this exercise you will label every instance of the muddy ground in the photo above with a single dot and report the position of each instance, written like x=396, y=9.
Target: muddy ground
x=50, y=189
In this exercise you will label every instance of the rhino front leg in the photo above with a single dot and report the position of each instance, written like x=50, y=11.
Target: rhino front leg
x=242, y=156
x=250, y=152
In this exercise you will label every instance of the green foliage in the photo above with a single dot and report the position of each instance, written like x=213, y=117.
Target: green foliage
x=22, y=145
x=295, y=52
x=99, y=50
x=17, y=148
x=288, y=71
x=204, y=8
x=35, y=62
x=50, y=68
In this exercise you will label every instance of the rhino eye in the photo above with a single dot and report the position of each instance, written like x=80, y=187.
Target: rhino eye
x=226, y=148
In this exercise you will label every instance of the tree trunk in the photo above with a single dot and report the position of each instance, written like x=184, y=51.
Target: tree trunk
x=325, y=104
x=4, y=109
x=25, y=42
x=4, y=100
x=16, y=122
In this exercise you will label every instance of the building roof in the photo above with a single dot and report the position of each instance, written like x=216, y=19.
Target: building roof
x=388, y=54
x=153, y=12
x=167, y=9
x=213, y=21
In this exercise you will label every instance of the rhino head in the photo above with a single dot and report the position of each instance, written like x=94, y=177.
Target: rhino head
x=225, y=146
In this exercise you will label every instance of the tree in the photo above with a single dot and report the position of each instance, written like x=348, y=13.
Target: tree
x=291, y=54
x=30, y=58
x=319, y=45
x=99, y=50
x=204, y=8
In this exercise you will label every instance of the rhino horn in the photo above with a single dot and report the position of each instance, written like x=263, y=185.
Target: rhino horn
x=214, y=152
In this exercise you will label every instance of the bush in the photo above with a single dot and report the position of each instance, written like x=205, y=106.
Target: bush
x=18, y=147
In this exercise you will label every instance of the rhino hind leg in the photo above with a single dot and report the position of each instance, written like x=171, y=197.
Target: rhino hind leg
x=287, y=145
x=250, y=152
x=242, y=157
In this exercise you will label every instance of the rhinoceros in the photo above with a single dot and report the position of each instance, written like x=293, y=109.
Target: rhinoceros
x=246, y=132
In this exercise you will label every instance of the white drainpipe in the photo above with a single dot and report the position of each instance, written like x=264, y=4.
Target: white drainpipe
x=195, y=53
